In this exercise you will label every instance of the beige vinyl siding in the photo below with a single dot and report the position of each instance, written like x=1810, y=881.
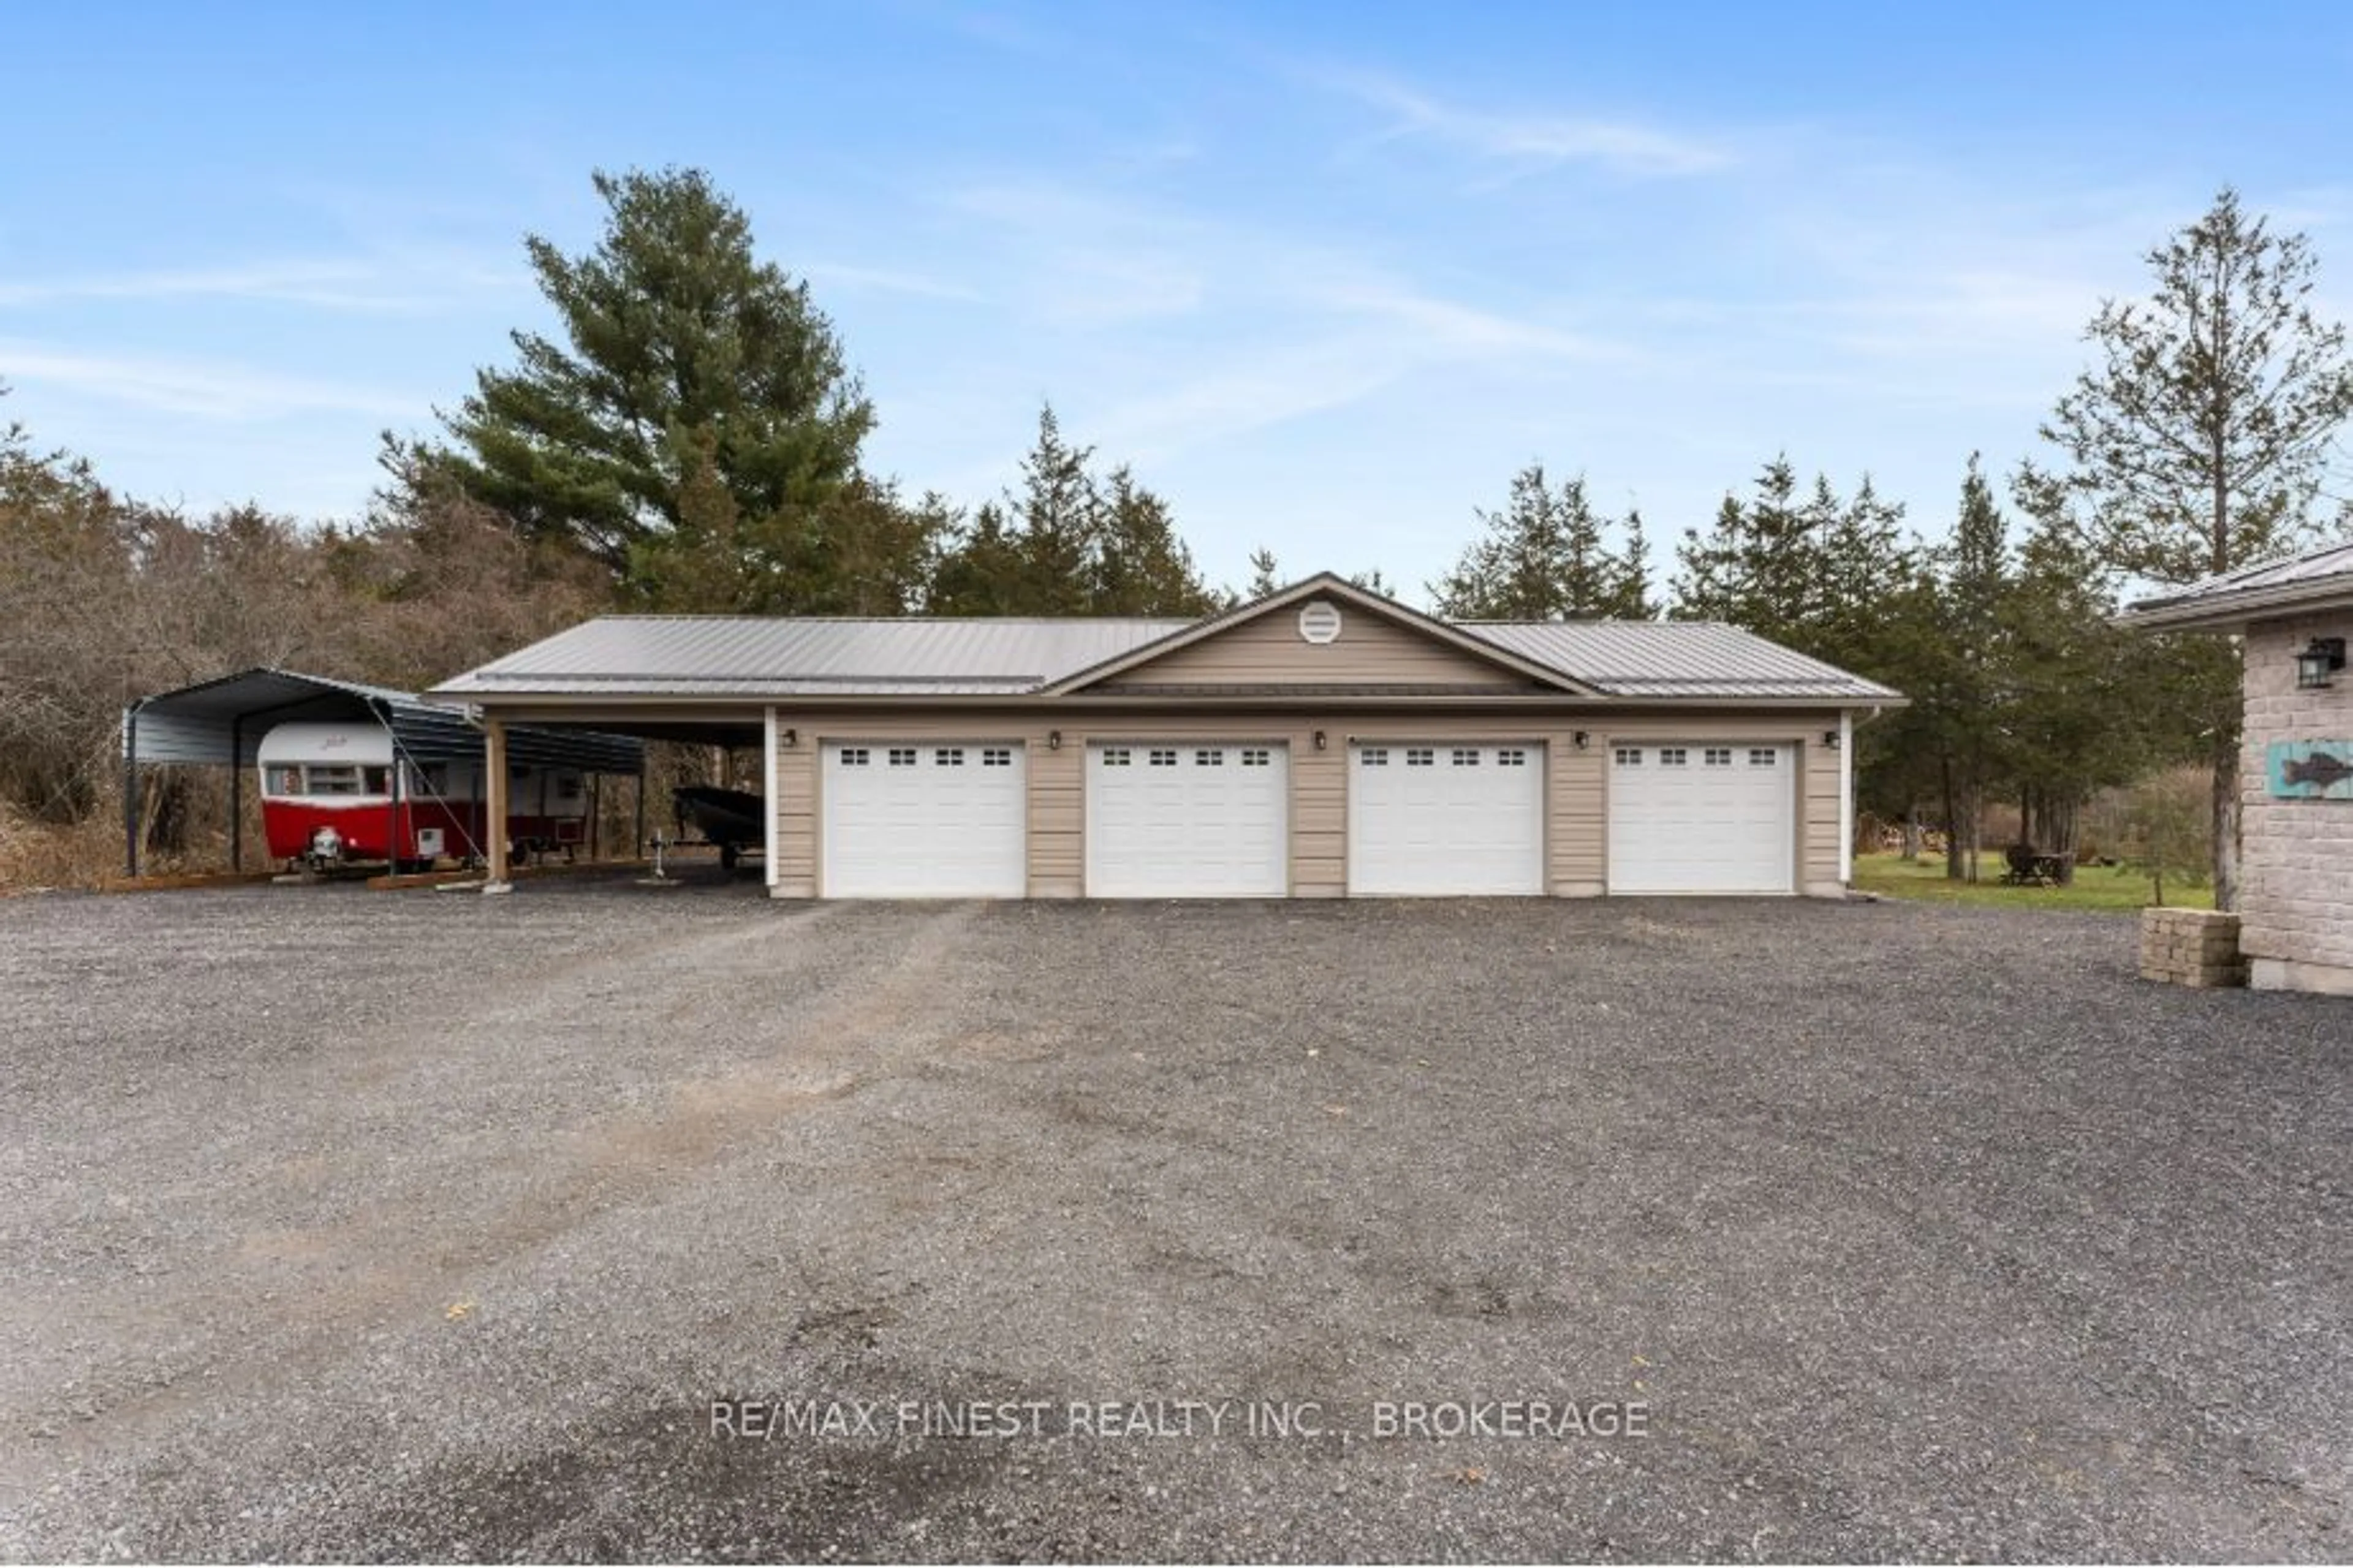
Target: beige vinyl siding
x=797, y=832
x=1270, y=650
x=1575, y=826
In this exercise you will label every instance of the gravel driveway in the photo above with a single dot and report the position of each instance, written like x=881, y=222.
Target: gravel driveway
x=348, y=1223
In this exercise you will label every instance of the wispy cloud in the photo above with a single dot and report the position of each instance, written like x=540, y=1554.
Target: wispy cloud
x=1528, y=140
x=210, y=390
x=886, y=281
x=1308, y=323
x=389, y=285
x=1439, y=327
x=1086, y=260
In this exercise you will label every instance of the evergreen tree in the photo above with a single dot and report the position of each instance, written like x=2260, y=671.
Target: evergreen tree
x=1808, y=572
x=1630, y=597
x=1142, y=568
x=1263, y=579
x=1058, y=514
x=1545, y=556
x=1757, y=568
x=1068, y=543
x=2084, y=710
x=1862, y=554
x=1970, y=699
x=2200, y=432
x=981, y=572
x=690, y=372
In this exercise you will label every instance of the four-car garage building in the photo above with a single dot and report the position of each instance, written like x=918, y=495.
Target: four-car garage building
x=1321, y=741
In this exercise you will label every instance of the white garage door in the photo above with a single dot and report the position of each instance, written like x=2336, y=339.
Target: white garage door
x=1189, y=820
x=929, y=821
x=1433, y=819
x=1695, y=818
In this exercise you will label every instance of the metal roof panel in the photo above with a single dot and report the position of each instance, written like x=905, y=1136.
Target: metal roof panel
x=694, y=655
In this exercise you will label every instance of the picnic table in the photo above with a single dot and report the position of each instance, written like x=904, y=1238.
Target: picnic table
x=2032, y=868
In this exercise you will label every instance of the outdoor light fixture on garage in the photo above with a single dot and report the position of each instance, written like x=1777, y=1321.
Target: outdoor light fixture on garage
x=2318, y=662
x=1831, y=739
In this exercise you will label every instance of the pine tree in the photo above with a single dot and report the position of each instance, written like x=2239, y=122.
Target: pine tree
x=2087, y=708
x=1970, y=699
x=686, y=364
x=1058, y=513
x=1263, y=574
x=1759, y=568
x=981, y=572
x=1065, y=542
x=1629, y=596
x=1140, y=567
x=1545, y=556
x=2201, y=431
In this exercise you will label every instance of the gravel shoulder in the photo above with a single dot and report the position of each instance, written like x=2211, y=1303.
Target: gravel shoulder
x=337, y=1224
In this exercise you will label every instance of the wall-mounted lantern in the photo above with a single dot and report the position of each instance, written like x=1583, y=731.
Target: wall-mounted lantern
x=1054, y=740
x=1578, y=738
x=2318, y=662
x=1831, y=739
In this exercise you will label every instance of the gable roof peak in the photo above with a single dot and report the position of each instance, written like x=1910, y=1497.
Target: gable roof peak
x=1338, y=587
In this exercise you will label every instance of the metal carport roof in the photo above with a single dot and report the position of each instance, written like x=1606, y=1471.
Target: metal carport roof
x=222, y=722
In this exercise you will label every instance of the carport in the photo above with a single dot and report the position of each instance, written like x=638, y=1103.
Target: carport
x=221, y=722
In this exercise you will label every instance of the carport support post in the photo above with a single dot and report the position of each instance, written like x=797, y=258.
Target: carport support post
x=494, y=779
x=236, y=794
x=638, y=853
x=130, y=791
x=392, y=812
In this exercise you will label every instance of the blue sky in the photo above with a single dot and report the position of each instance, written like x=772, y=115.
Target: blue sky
x=1327, y=275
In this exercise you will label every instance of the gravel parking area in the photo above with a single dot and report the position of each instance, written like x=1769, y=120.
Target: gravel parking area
x=363, y=1224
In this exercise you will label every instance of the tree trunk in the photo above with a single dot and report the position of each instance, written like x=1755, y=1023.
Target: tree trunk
x=1952, y=823
x=1973, y=805
x=1912, y=835
x=2226, y=825
x=167, y=826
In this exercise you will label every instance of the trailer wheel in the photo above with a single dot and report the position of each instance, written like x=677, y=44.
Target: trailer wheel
x=728, y=855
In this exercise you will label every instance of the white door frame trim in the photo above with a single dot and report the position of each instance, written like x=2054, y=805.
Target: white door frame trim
x=768, y=772
x=1846, y=798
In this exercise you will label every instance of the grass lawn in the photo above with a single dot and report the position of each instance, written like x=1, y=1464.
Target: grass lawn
x=2094, y=888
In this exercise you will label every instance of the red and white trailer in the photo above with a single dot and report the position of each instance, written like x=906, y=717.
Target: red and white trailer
x=360, y=774
x=332, y=793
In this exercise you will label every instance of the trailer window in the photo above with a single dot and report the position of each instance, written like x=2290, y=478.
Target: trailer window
x=379, y=781
x=567, y=786
x=286, y=781
x=336, y=780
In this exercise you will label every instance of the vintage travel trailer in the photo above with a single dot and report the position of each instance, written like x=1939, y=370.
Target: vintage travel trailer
x=328, y=797
x=362, y=776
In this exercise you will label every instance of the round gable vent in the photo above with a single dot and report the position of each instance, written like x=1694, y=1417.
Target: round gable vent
x=1320, y=622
